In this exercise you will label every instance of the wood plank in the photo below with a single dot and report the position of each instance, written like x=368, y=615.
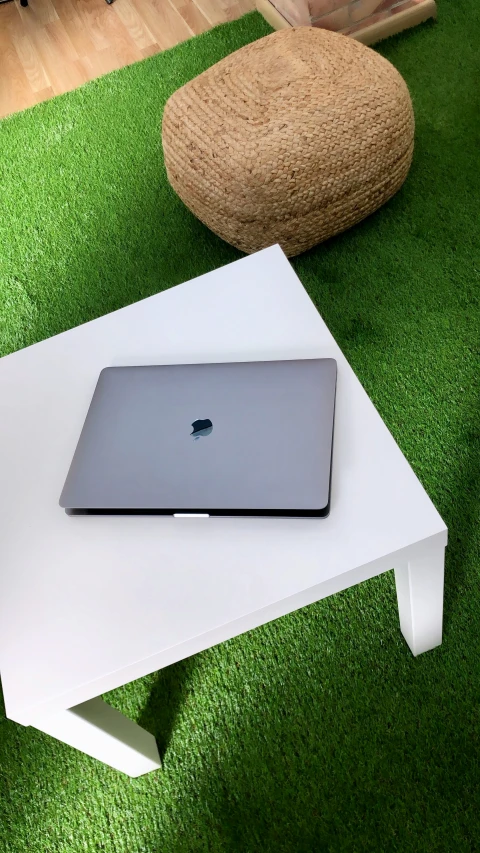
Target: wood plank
x=212, y=11
x=133, y=23
x=151, y=50
x=37, y=13
x=31, y=62
x=59, y=57
x=15, y=90
x=101, y=62
x=53, y=46
x=44, y=95
x=67, y=10
x=192, y=15
x=164, y=22
x=107, y=30
x=95, y=18
x=68, y=13
x=25, y=48
x=8, y=15
x=61, y=41
x=246, y=6
x=234, y=9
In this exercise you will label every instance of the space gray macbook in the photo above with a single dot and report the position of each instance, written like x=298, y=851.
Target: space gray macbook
x=237, y=438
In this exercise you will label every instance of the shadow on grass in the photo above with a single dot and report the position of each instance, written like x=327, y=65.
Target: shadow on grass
x=460, y=510
x=369, y=750
x=169, y=692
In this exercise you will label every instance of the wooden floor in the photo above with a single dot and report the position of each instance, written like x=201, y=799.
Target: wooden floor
x=53, y=46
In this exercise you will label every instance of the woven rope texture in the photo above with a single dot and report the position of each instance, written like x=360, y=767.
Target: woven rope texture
x=289, y=140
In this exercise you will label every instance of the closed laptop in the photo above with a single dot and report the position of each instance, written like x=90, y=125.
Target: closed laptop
x=236, y=438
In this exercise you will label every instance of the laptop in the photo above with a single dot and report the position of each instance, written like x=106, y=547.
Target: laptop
x=227, y=439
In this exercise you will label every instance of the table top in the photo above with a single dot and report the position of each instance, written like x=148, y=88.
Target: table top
x=89, y=603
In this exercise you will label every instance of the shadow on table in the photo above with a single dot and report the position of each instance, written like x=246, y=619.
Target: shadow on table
x=169, y=692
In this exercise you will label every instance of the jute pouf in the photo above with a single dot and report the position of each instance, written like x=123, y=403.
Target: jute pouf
x=289, y=140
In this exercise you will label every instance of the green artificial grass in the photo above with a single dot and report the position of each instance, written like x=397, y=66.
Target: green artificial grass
x=320, y=731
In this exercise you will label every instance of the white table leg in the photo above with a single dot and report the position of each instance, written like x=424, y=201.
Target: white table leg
x=104, y=733
x=420, y=599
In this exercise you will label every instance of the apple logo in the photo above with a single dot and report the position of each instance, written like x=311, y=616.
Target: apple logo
x=202, y=426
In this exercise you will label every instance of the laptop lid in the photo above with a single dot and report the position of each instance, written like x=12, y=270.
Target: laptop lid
x=237, y=438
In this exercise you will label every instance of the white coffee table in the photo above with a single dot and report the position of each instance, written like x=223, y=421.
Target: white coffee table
x=88, y=604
